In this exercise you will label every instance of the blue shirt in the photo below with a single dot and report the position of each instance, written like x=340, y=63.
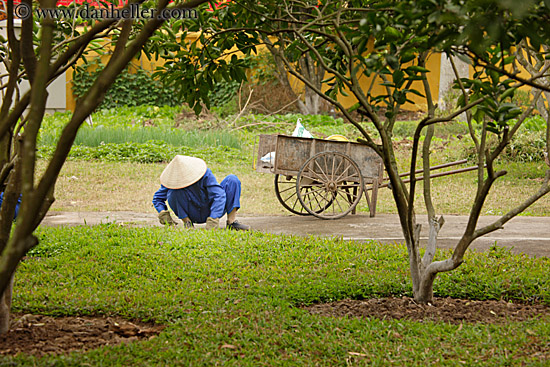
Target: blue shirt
x=205, y=198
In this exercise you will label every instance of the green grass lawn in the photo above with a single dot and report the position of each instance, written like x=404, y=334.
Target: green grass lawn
x=245, y=290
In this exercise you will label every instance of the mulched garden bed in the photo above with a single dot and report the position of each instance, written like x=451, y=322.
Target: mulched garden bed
x=39, y=335
x=449, y=310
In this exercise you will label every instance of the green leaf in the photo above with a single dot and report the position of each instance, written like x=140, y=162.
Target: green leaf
x=414, y=91
x=417, y=69
x=362, y=45
x=508, y=93
x=408, y=56
x=392, y=61
x=391, y=33
x=493, y=129
x=354, y=107
x=398, y=78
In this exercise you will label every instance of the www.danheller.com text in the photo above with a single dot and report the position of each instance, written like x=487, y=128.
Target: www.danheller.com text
x=133, y=11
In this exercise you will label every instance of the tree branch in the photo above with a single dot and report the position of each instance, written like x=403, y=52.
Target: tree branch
x=27, y=49
x=531, y=81
x=466, y=101
x=544, y=189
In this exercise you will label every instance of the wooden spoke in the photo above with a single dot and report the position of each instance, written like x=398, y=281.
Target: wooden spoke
x=285, y=190
x=335, y=185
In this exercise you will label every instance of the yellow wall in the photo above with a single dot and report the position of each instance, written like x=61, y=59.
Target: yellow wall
x=143, y=62
x=433, y=64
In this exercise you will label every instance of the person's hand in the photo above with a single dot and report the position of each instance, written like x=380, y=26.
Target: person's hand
x=212, y=223
x=166, y=218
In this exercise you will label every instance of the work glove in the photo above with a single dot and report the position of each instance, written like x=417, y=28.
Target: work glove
x=166, y=218
x=212, y=223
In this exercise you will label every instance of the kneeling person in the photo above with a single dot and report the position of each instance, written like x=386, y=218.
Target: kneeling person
x=195, y=196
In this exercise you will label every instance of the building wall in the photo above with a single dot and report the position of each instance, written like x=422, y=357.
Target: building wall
x=440, y=78
x=433, y=64
x=57, y=100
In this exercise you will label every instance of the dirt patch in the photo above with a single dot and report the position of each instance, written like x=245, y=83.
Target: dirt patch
x=39, y=335
x=402, y=115
x=189, y=121
x=448, y=310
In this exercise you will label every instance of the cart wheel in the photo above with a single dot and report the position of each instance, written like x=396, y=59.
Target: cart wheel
x=329, y=185
x=285, y=189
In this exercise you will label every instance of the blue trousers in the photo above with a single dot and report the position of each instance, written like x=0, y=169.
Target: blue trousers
x=232, y=187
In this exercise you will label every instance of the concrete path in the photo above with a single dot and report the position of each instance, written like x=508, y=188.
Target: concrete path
x=529, y=235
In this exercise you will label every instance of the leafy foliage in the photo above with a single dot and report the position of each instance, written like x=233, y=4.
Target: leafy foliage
x=527, y=146
x=133, y=87
x=118, y=135
x=94, y=136
x=498, y=107
x=262, y=68
x=149, y=152
x=194, y=72
x=223, y=92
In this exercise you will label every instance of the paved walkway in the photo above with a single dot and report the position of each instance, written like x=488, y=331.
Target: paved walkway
x=530, y=235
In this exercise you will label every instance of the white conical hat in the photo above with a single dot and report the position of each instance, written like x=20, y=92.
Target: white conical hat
x=182, y=171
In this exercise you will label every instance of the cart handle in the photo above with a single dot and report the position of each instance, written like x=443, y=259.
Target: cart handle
x=254, y=155
x=444, y=165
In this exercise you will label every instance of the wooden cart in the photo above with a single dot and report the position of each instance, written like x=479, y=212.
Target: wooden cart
x=324, y=178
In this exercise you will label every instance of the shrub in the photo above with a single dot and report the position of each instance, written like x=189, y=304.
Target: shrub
x=150, y=152
x=527, y=146
x=131, y=88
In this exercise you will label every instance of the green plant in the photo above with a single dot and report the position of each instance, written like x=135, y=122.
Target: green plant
x=262, y=68
x=148, y=152
x=527, y=146
x=93, y=137
x=535, y=123
x=133, y=87
x=234, y=299
x=223, y=92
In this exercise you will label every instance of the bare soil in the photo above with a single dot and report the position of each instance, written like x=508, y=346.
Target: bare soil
x=446, y=310
x=39, y=335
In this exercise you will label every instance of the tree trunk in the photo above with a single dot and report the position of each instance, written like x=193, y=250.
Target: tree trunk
x=424, y=293
x=5, y=306
x=311, y=104
x=315, y=74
